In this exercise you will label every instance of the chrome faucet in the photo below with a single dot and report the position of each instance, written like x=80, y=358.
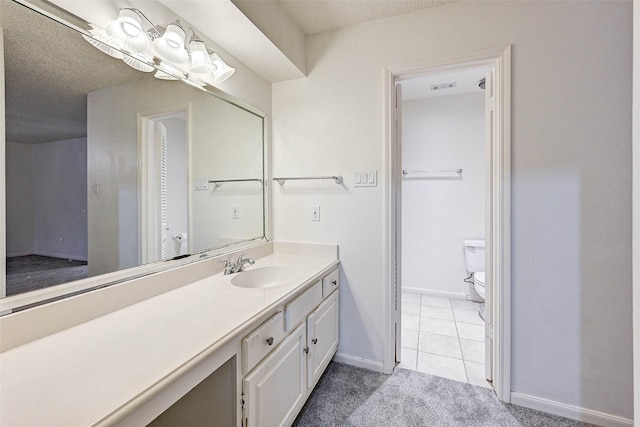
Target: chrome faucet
x=231, y=267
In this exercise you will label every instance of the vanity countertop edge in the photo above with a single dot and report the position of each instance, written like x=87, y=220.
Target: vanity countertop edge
x=101, y=371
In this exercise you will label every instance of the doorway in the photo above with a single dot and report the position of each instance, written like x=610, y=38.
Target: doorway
x=443, y=208
x=164, y=195
x=497, y=207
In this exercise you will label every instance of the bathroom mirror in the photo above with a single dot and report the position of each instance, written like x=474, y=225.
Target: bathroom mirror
x=109, y=169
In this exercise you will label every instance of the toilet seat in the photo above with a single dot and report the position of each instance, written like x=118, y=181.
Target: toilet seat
x=478, y=283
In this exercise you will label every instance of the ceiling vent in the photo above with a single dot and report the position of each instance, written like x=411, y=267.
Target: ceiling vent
x=443, y=86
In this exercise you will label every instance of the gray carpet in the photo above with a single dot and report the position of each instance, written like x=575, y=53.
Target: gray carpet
x=31, y=272
x=350, y=396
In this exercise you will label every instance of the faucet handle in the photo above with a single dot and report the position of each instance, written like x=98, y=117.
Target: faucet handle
x=228, y=265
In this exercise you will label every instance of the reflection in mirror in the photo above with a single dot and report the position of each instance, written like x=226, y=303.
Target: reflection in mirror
x=108, y=168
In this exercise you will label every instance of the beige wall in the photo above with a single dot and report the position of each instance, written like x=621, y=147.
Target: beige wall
x=571, y=189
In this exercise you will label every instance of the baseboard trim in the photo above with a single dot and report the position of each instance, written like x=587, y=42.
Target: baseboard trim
x=570, y=411
x=61, y=256
x=359, y=362
x=17, y=254
x=436, y=293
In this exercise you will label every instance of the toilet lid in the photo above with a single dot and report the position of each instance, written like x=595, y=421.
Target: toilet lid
x=479, y=278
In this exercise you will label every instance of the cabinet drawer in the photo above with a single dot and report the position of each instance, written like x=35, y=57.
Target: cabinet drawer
x=261, y=341
x=330, y=283
x=298, y=309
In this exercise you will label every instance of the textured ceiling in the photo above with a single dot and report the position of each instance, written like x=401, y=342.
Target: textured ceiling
x=316, y=16
x=49, y=70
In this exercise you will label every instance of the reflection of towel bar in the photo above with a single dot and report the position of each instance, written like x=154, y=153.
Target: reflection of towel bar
x=336, y=178
x=406, y=172
x=218, y=182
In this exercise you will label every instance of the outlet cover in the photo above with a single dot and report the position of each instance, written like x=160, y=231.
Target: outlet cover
x=315, y=212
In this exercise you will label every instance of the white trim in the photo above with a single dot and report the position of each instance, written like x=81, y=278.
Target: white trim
x=3, y=194
x=499, y=237
x=358, y=362
x=569, y=411
x=437, y=293
x=635, y=233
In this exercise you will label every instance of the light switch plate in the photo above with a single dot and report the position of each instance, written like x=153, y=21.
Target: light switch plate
x=201, y=184
x=367, y=178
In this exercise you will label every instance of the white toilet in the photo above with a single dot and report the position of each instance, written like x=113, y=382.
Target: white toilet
x=475, y=262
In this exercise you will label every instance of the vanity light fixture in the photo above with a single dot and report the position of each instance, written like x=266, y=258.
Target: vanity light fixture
x=171, y=44
x=164, y=47
x=127, y=33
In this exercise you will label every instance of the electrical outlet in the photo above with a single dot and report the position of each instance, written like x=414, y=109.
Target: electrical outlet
x=235, y=212
x=315, y=212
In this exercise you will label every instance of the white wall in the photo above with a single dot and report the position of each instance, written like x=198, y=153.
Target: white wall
x=60, y=198
x=444, y=132
x=19, y=188
x=571, y=192
x=46, y=193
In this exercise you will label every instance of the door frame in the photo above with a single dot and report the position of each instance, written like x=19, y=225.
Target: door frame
x=144, y=120
x=498, y=209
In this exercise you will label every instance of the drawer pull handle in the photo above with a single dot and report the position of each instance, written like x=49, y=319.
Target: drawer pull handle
x=315, y=340
x=334, y=283
x=270, y=340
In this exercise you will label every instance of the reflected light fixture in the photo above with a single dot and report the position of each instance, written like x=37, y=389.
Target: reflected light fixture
x=166, y=48
x=99, y=39
x=138, y=62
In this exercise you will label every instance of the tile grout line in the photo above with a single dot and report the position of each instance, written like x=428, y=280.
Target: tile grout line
x=455, y=322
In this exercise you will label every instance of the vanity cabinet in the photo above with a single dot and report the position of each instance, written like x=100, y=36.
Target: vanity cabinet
x=275, y=390
x=322, y=338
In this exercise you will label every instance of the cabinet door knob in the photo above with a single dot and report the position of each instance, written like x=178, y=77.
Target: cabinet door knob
x=334, y=283
x=270, y=340
x=315, y=340
x=306, y=350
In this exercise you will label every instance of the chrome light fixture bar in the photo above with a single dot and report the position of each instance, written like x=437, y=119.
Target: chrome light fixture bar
x=166, y=48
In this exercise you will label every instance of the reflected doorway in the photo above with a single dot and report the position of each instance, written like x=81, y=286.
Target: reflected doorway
x=164, y=154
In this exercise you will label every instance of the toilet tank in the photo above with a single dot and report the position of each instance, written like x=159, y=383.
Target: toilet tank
x=474, y=255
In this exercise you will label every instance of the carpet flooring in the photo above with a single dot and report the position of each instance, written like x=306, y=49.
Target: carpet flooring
x=349, y=396
x=31, y=272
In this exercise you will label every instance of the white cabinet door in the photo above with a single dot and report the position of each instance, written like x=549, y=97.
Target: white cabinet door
x=322, y=338
x=275, y=390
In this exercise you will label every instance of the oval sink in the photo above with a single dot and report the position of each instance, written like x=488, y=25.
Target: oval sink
x=264, y=277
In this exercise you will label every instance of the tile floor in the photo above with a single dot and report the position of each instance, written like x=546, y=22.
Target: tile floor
x=443, y=337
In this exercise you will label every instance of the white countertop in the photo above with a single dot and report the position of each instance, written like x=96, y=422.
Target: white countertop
x=79, y=375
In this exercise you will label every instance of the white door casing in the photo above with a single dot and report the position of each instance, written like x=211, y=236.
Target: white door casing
x=498, y=237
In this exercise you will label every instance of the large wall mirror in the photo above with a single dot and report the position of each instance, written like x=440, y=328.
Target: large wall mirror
x=109, y=168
